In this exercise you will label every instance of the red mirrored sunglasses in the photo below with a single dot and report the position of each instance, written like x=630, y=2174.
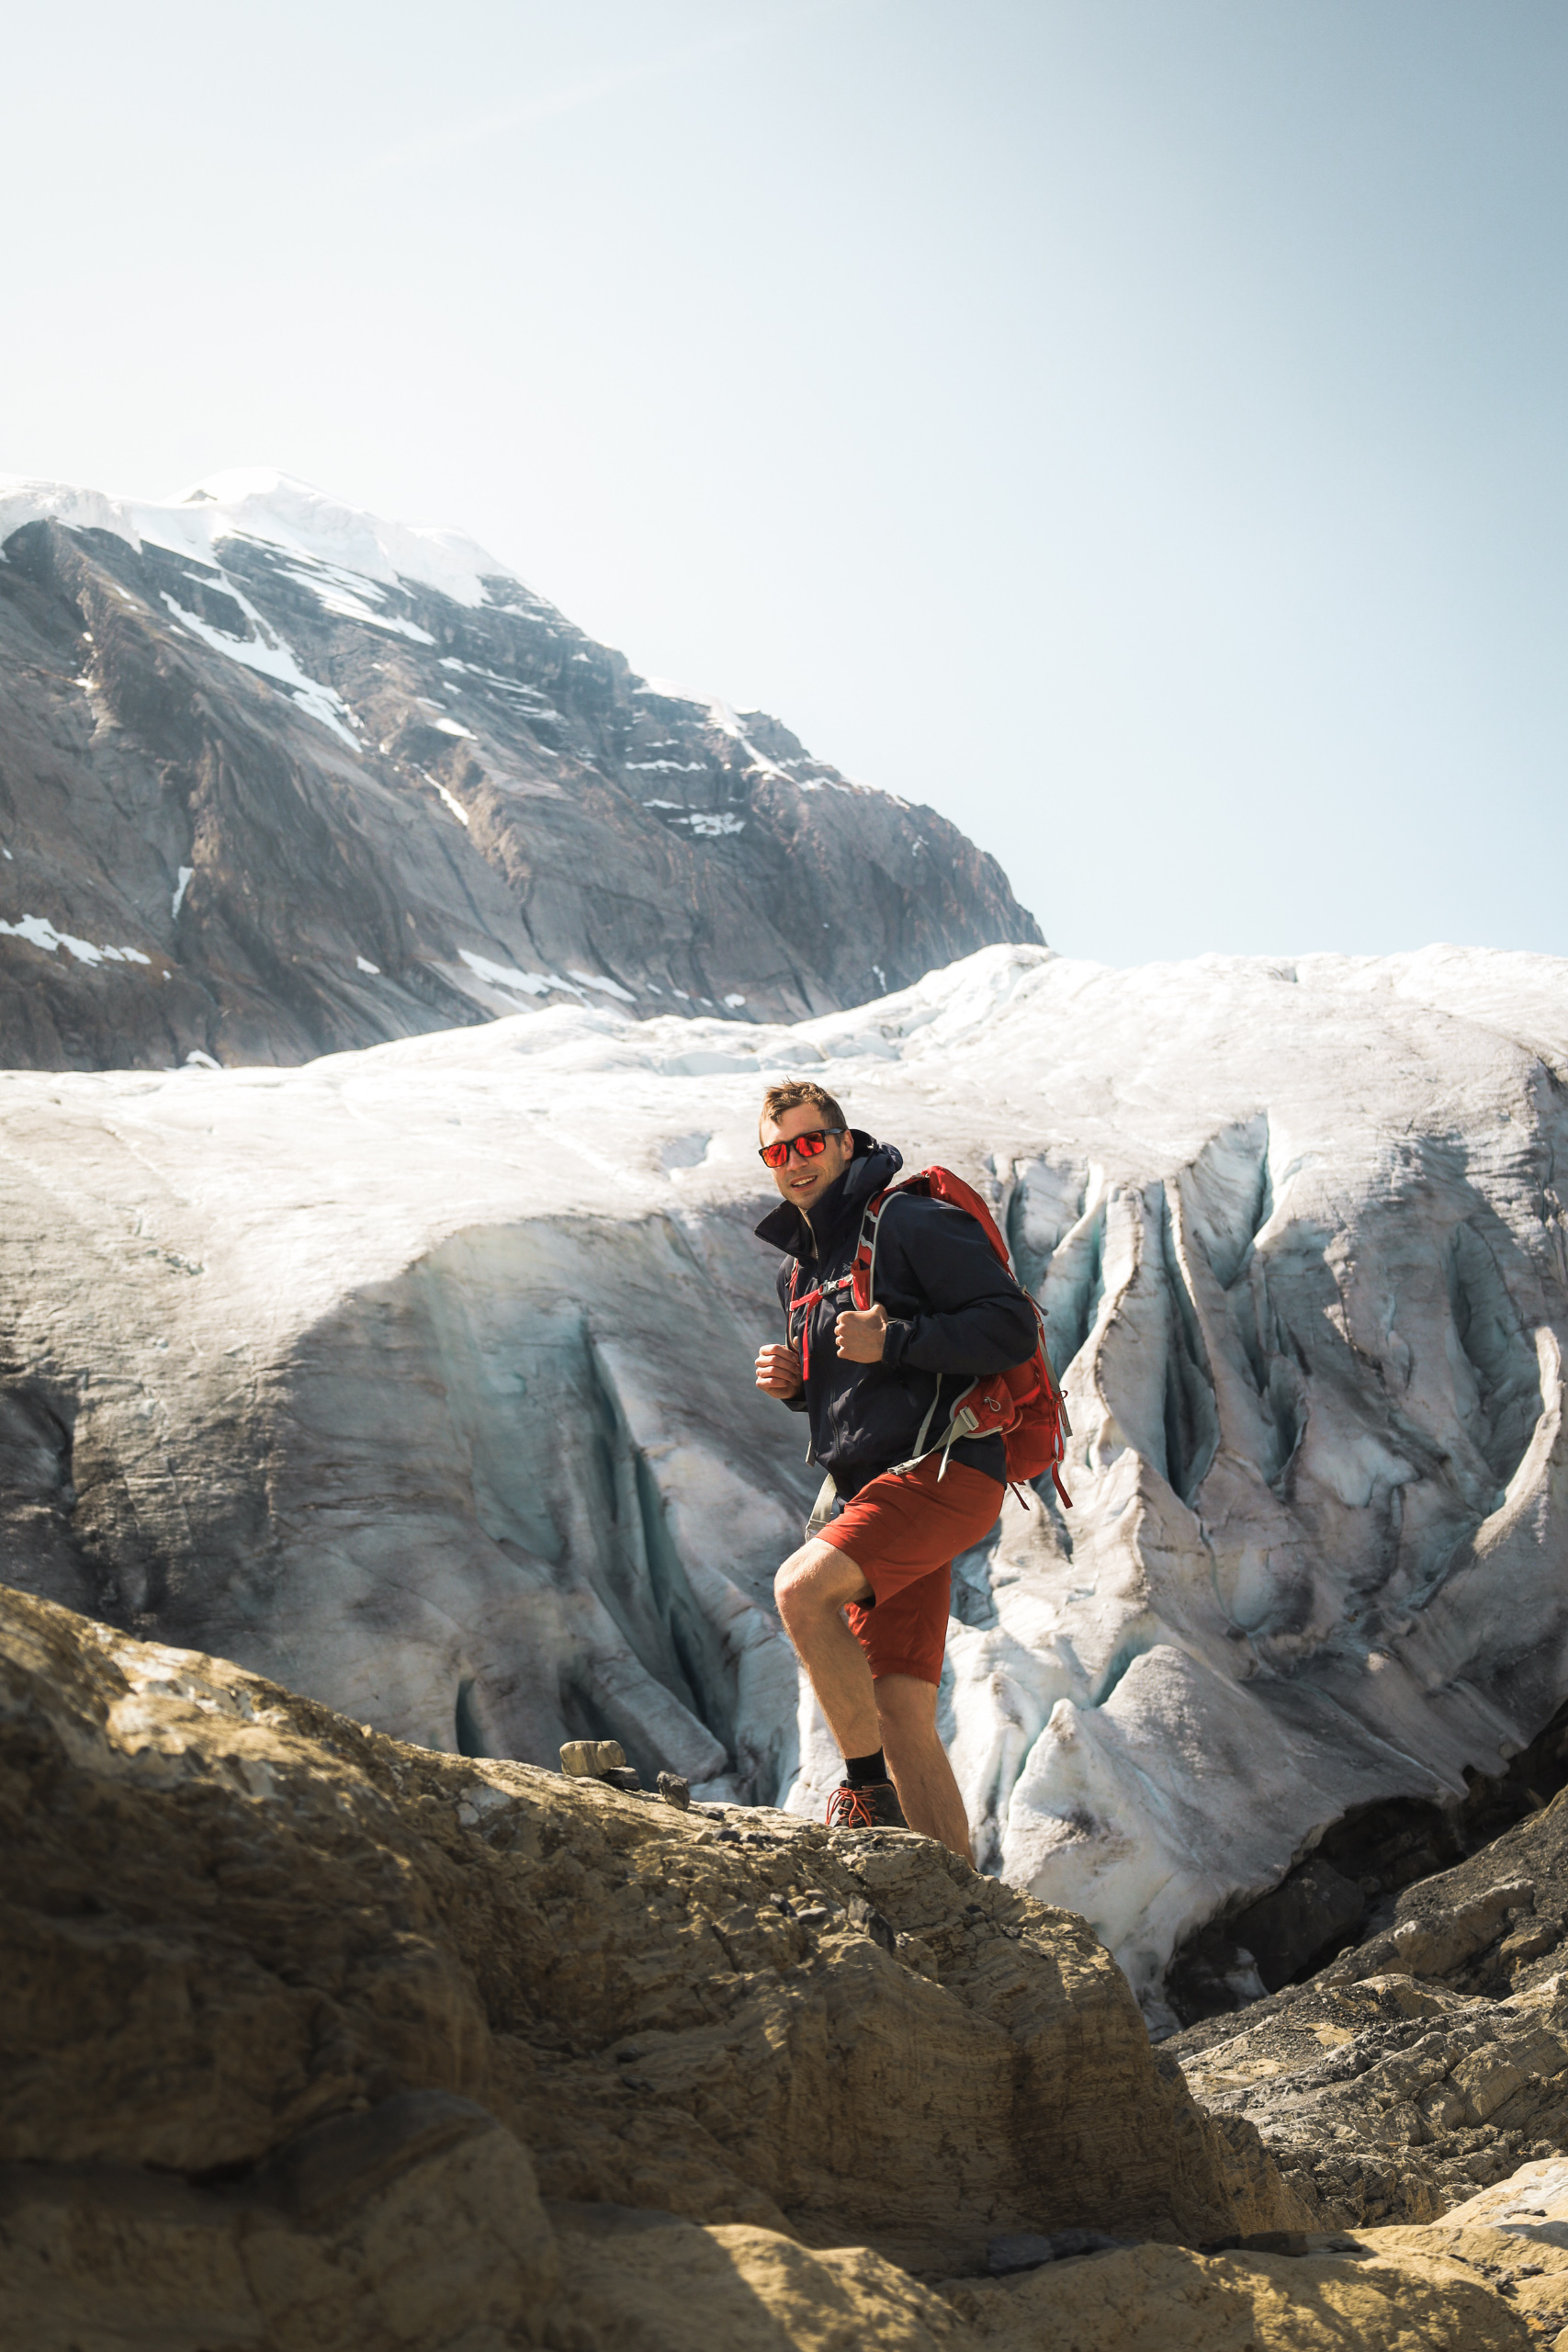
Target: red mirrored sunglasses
x=810, y=1146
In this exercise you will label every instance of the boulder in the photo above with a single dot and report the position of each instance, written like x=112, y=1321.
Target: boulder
x=1427, y=2060
x=414, y=2222
x=290, y=2003
x=319, y=2042
x=1170, y=2298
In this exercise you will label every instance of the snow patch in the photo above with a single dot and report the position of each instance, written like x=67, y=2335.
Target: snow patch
x=597, y=980
x=40, y=932
x=354, y=598
x=451, y=799
x=364, y=965
x=269, y=654
x=507, y=975
x=187, y=876
x=720, y=716
x=711, y=825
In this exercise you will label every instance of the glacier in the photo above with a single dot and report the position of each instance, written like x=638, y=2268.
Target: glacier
x=419, y=1378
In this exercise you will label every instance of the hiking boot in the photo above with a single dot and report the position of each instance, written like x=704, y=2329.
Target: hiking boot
x=876, y=1807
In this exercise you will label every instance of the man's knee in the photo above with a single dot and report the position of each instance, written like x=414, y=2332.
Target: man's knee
x=799, y=1586
x=789, y=1586
x=817, y=1581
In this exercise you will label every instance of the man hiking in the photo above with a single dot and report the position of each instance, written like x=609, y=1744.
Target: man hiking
x=877, y=1388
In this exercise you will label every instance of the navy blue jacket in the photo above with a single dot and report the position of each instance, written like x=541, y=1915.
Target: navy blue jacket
x=954, y=1312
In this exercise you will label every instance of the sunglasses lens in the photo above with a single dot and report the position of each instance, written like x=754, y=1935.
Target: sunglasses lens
x=809, y=1147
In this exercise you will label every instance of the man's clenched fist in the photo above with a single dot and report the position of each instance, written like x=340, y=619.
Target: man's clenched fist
x=778, y=1370
x=862, y=1338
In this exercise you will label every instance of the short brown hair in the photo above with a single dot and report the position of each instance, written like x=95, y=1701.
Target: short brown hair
x=792, y=1094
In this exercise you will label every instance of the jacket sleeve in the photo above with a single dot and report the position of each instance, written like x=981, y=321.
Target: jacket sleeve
x=975, y=1317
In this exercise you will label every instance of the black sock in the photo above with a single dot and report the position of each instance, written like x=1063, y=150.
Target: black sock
x=865, y=1771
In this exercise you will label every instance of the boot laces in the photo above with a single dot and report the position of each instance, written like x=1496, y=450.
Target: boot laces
x=851, y=1809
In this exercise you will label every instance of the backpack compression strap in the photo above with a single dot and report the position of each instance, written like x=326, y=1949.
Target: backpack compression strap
x=803, y=1305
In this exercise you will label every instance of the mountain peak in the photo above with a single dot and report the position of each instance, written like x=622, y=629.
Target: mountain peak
x=283, y=776
x=263, y=503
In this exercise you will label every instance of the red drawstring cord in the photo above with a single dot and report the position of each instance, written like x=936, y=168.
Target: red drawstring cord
x=803, y=1305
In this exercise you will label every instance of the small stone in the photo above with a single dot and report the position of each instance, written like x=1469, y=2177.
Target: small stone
x=675, y=1790
x=872, y=1923
x=592, y=1759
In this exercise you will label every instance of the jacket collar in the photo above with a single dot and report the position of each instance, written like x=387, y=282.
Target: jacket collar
x=870, y=1171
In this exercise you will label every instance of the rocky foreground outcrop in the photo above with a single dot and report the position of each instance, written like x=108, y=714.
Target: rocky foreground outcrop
x=314, y=2040
x=278, y=778
x=1427, y=2060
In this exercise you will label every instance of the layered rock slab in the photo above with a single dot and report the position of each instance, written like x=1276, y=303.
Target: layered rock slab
x=314, y=2040
x=230, y=1916
x=1412, y=2298
x=1426, y=2061
x=763, y=2294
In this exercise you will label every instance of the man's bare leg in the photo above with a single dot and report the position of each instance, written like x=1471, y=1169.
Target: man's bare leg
x=918, y=1762
x=811, y=1589
x=897, y=1713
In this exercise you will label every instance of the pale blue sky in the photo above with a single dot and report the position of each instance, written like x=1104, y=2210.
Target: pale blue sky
x=1136, y=427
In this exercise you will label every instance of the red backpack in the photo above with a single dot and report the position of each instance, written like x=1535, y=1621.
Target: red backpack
x=1022, y=1406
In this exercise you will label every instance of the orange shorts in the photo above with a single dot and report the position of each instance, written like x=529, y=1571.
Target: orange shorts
x=903, y=1532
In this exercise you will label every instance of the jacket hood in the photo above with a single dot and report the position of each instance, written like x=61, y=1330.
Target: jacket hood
x=872, y=1168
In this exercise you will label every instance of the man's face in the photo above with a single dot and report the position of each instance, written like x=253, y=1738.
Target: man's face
x=803, y=1181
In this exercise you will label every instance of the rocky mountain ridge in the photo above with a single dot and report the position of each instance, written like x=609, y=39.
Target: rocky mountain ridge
x=278, y=778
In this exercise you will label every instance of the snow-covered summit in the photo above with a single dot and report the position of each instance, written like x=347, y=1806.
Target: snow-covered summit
x=259, y=502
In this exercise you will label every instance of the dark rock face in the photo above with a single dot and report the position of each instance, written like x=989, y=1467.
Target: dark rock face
x=1430, y=2059
x=263, y=808
x=1353, y=1884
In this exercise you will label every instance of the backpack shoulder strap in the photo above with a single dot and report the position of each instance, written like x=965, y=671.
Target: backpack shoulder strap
x=862, y=1272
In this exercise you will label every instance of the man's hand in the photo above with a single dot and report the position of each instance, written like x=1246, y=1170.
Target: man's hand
x=862, y=1338
x=778, y=1370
